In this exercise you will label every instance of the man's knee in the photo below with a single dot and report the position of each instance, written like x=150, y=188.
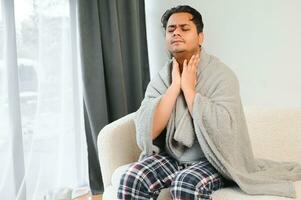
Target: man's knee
x=187, y=186
x=134, y=176
x=133, y=183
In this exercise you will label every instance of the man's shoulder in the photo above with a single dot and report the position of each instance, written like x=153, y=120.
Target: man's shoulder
x=161, y=79
x=166, y=69
x=219, y=68
x=163, y=73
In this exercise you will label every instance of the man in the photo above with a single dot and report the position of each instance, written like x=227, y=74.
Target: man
x=191, y=127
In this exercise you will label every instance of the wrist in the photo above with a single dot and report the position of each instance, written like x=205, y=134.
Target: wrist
x=176, y=87
x=188, y=91
x=189, y=97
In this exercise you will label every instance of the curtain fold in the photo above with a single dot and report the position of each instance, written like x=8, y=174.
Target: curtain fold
x=114, y=67
x=15, y=162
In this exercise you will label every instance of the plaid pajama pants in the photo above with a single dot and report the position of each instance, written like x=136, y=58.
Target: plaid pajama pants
x=145, y=179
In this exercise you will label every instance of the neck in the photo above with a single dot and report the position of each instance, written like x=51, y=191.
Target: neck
x=181, y=56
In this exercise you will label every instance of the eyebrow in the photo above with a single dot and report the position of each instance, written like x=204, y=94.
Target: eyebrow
x=175, y=25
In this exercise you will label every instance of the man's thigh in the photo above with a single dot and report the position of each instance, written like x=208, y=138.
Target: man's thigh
x=156, y=171
x=198, y=180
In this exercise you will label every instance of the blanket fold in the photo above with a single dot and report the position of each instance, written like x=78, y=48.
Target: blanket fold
x=218, y=124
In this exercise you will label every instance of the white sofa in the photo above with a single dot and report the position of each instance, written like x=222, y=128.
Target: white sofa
x=275, y=134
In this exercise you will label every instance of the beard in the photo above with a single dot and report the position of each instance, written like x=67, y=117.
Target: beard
x=181, y=51
x=175, y=51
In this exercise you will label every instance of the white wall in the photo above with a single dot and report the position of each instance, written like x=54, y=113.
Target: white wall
x=259, y=40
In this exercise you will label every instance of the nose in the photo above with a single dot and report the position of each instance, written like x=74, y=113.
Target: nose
x=176, y=32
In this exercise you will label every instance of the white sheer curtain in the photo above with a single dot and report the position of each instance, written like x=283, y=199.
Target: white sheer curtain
x=42, y=141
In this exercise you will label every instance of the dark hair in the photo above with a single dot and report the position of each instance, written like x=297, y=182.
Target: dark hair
x=196, y=16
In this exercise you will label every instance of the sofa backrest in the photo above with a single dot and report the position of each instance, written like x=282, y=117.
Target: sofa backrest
x=275, y=133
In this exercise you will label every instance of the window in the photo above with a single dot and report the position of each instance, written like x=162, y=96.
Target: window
x=53, y=152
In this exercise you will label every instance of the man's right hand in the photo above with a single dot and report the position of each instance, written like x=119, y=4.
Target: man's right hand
x=176, y=76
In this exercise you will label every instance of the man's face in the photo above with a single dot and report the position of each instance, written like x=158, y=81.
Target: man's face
x=181, y=34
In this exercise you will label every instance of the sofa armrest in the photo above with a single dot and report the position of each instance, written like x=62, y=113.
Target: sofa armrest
x=117, y=146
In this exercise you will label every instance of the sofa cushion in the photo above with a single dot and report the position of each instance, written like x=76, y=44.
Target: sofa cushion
x=275, y=133
x=234, y=193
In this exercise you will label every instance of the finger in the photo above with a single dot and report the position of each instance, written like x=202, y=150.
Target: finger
x=198, y=58
x=196, y=63
x=191, y=62
x=185, y=66
x=193, y=65
x=175, y=64
x=175, y=61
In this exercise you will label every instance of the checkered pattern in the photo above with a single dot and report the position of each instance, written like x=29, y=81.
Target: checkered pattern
x=144, y=179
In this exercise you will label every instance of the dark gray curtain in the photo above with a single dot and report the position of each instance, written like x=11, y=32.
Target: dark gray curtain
x=115, y=67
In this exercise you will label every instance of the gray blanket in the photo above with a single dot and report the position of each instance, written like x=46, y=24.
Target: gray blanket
x=219, y=124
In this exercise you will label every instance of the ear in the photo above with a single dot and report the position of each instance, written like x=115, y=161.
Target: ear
x=201, y=38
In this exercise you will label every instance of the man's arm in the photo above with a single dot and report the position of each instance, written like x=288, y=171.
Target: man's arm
x=167, y=102
x=189, y=79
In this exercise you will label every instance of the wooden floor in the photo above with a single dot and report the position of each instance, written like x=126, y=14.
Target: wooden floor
x=89, y=197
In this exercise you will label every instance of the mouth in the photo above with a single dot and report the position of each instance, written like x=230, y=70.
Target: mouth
x=177, y=41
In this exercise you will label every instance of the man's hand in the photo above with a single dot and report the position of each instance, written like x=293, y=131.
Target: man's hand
x=167, y=102
x=176, y=76
x=189, y=79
